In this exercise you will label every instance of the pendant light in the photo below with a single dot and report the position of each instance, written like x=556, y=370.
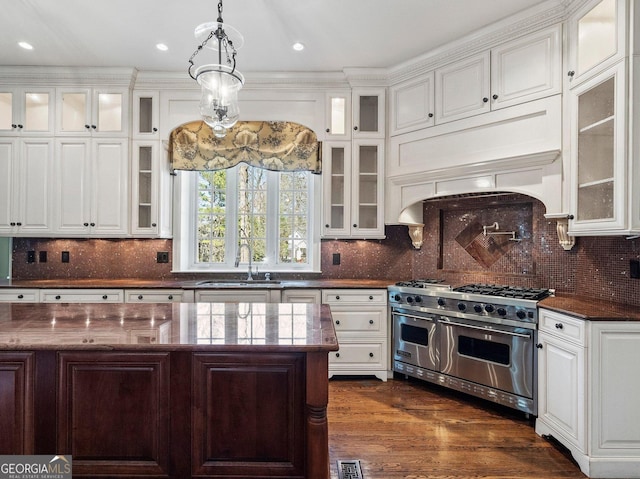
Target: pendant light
x=220, y=82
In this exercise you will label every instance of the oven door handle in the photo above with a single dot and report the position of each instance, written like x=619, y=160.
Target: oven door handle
x=421, y=318
x=519, y=335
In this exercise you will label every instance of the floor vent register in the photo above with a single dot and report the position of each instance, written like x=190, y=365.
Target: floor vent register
x=349, y=469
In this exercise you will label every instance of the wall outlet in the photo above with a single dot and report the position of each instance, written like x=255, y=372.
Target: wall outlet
x=634, y=268
x=65, y=257
x=42, y=256
x=336, y=258
x=162, y=257
x=31, y=256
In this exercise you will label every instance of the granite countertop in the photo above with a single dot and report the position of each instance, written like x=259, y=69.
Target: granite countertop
x=132, y=283
x=251, y=327
x=590, y=309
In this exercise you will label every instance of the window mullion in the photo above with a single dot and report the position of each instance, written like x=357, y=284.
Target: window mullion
x=231, y=232
x=273, y=217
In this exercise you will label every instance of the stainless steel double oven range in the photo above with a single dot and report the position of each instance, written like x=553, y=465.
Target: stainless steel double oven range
x=478, y=339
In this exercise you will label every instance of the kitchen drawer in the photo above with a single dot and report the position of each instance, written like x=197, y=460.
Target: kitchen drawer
x=11, y=295
x=354, y=296
x=81, y=296
x=153, y=295
x=361, y=321
x=562, y=326
x=358, y=356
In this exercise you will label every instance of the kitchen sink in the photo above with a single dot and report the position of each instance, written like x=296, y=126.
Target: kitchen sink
x=237, y=282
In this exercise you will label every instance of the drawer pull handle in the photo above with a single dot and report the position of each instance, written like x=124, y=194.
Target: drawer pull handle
x=337, y=297
x=559, y=326
x=20, y=296
x=58, y=296
x=539, y=345
x=370, y=355
x=370, y=297
x=371, y=321
x=170, y=297
x=140, y=296
x=104, y=296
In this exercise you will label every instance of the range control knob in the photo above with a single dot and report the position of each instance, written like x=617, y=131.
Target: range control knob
x=477, y=308
x=440, y=302
x=489, y=308
x=502, y=311
x=521, y=314
x=418, y=299
x=462, y=306
x=409, y=299
x=397, y=297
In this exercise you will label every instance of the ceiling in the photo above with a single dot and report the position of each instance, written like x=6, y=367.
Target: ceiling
x=336, y=33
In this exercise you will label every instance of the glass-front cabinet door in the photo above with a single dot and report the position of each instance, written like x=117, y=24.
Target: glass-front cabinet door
x=146, y=117
x=144, y=189
x=337, y=189
x=598, y=154
x=367, y=191
x=368, y=112
x=83, y=111
x=26, y=111
x=596, y=39
x=338, y=115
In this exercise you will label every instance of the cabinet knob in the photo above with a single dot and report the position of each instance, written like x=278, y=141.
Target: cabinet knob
x=337, y=321
x=154, y=129
x=570, y=217
x=84, y=340
x=495, y=97
x=571, y=73
x=92, y=224
x=559, y=326
x=104, y=296
x=430, y=115
x=371, y=321
x=337, y=355
x=355, y=128
x=539, y=345
x=20, y=296
x=326, y=226
x=140, y=296
x=328, y=130
x=20, y=126
x=355, y=225
x=86, y=224
x=170, y=297
x=337, y=297
x=485, y=99
x=13, y=125
x=87, y=126
x=91, y=340
x=370, y=355
x=371, y=297
x=19, y=223
x=12, y=223
x=57, y=296
x=94, y=126
x=154, y=224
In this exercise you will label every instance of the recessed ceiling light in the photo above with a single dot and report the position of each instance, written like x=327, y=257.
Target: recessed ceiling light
x=25, y=45
x=162, y=47
x=298, y=46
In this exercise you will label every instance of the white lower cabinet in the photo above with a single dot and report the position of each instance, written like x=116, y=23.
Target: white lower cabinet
x=238, y=296
x=588, y=390
x=313, y=296
x=11, y=295
x=154, y=295
x=360, y=320
x=81, y=296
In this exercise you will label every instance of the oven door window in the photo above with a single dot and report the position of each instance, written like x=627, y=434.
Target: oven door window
x=486, y=350
x=414, y=335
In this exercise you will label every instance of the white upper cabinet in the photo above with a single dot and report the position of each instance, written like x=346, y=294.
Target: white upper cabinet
x=26, y=111
x=597, y=36
x=92, y=112
x=368, y=109
x=146, y=115
x=463, y=88
x=338, y=115
x=412, y=105
x=91, y=192
x=25, y=186
x=527, y=68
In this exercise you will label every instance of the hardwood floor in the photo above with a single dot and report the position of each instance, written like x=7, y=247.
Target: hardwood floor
x=413, y=430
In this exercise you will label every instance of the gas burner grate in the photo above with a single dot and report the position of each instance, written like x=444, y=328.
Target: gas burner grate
x=516, y=292
x=349, y=469
x=420, y=283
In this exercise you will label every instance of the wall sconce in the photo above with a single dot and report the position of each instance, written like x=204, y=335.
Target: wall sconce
x=415, y=233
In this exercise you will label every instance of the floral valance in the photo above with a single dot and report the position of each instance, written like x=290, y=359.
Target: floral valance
x=273, y=145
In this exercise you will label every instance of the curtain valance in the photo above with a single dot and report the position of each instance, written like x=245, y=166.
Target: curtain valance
x=273, y=145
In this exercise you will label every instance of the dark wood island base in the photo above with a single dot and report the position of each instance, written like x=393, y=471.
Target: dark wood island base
x=206, y=390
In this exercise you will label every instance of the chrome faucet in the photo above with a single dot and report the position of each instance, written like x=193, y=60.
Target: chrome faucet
x=249, y=275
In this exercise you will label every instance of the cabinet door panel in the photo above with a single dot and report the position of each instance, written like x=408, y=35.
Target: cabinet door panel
x=7, y=152
x=16, y=403
x=113, y=412
x=264, y=399
x=34, y=194
x=72, y=194
x=412, y=105
x=110, y=192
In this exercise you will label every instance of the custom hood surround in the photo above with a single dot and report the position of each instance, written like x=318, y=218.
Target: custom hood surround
x=512, y=150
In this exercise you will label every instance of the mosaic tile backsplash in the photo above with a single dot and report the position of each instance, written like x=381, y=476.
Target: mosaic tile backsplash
x=455, y=249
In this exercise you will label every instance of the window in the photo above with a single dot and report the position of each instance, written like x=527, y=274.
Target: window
x=274, y=213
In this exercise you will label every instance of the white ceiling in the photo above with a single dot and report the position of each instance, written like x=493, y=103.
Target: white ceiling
x=337, y=33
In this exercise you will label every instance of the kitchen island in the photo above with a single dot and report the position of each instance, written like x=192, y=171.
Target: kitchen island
x=168, y=390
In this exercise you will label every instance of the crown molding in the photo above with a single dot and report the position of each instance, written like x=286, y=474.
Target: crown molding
x=64, y=76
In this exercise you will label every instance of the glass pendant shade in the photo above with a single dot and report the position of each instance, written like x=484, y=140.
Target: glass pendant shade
x=219, y=100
